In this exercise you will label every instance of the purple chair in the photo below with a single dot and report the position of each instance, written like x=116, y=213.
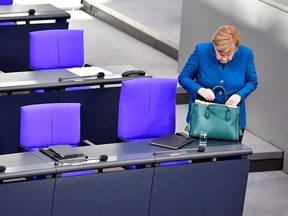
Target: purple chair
x=54, y=49
x=147, y=108
x=57, y=49
x=43, y=125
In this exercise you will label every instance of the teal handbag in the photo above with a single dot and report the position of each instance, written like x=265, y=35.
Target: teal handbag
x=218, y=120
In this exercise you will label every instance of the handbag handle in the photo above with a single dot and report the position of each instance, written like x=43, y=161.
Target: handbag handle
x=208, y=110
x=223, y=89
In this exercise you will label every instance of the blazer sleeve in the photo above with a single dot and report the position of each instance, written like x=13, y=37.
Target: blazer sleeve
x=189, y=72
x=251, y=80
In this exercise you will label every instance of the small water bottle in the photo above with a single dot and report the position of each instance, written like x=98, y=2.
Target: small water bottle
x=203, y=138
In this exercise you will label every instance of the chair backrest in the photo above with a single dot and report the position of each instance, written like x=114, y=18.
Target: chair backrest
x=147, y=108
x=6, y=2
x=43, y=125
x=52, y=49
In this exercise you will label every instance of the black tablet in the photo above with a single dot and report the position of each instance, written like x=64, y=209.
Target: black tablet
x=171, y=141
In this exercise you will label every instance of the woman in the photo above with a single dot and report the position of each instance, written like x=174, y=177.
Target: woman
x=221, y=62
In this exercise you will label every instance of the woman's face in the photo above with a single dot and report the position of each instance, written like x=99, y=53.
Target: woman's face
x=225, y=57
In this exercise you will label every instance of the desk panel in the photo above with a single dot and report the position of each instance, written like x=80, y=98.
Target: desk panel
x=104, y=194
x=42, y=12
x=23, y=165
x=211, y=188
x=27, y=198
x=49, y=79
x=25, y=81
x=19, y=194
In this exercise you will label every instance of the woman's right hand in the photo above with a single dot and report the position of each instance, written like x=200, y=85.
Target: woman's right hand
x=206, y=93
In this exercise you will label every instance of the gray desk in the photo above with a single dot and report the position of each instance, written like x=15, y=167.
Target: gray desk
x=8, y=13
x=214, y=149
x=203, y=188
x=49, y=79
x=14, y=43
x=208, y=188
x=117, y=192
x=77, y=195
x=25, y=81
x=119, y=155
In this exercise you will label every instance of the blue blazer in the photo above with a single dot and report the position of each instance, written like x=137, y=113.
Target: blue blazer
x=238, y=76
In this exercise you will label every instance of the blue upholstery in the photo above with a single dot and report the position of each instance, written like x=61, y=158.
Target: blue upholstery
x=43, y=125
x=147, y=108
x=56, y=49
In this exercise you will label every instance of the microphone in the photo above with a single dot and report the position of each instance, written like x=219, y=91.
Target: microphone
x=177, y=152
x=201, y=148
x=31, y=12
x=2, y=169
x=100, y=74
x=103, y=158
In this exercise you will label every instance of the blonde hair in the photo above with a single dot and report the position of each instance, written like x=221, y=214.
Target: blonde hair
x=226, y=39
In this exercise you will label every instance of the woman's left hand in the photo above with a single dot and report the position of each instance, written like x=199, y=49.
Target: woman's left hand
x=234, y=100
